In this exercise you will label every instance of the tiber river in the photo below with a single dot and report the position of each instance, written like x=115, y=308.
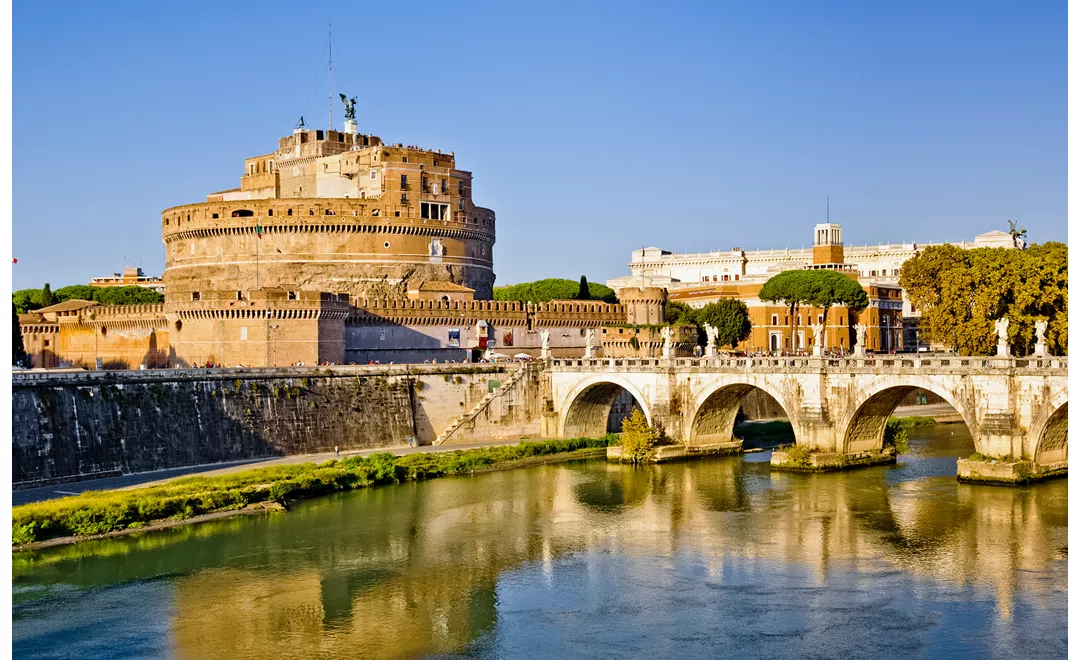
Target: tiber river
x=717, y=558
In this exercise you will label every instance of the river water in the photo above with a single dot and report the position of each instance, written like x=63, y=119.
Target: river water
x=580, y=560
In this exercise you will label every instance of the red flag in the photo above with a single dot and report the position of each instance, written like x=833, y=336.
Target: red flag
x=14, y=260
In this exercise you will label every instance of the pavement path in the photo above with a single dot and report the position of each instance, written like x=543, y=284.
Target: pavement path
x=29, y=495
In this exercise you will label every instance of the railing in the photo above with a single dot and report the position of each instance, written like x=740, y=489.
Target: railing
x=817, y=364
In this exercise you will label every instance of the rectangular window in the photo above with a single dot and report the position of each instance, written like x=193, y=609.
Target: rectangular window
x=775, y=319
x=404, y=198
x=433, y=211
x=243, y=334
x=374, y=174
x=404, y=181
x=461, y=188
x=292, y=295
x=404, y=159
x=215, y=216
x=194, y=295
x=239, y=295
x=444, y=186
x=270, y=212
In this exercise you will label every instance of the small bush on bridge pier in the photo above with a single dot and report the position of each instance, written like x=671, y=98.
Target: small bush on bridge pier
x=639, y=440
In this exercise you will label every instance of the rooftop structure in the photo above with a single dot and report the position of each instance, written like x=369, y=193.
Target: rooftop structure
x=131, y=276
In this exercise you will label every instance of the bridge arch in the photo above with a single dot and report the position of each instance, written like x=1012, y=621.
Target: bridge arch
x=1052, y=436
x=863, y=427
x=587, y=407
x=716, y=407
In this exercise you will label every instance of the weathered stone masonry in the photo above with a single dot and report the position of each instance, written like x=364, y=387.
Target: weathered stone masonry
x=80, y=425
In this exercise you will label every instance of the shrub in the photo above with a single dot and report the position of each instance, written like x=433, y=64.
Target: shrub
x=896, y=435
x=639, y=440
x=798, y=456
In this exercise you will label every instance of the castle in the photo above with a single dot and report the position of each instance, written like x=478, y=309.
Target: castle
x=336, y=247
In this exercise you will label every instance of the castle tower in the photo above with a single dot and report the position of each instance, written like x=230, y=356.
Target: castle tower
x=828, y=244
x=644, y=306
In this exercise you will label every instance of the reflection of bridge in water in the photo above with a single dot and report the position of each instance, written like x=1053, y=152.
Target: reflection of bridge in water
x=1014, y=407
x=414, y=569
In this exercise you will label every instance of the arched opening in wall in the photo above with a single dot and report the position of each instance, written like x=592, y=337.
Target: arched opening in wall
x=594, y=412
x=242, y=213
x=1053, y=446
x=178, y=325
x=104, y=331
x=742, y=411
x=933, y=429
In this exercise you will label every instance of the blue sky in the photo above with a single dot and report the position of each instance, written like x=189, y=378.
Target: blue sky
x=592, y=129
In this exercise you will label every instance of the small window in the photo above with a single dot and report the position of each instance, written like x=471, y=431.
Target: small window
x=375, y=213
x=46, y=343
x=292, y=295
x=386, y=244
x=775, y=319
x=214, y=216
x=397, y=214
x=404, y=181
x=329, y=212
x=311, y=212
x=444, y=186
x=242, y=213
x=374, y=175
x=239, y=295
x=404, y=198
x=270, y=212
x=404, y=159
x=194, y=296
x=289, y=212
x=461, y=188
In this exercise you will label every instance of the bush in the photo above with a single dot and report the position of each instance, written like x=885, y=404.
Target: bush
x=896, y=435
x=639, y=440
x=798, y=456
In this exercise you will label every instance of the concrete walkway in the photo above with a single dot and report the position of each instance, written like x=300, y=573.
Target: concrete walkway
x=29, y=495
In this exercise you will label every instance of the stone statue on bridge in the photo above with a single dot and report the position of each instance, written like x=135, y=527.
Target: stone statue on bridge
x=545, y=345
x=590, y=347
x=819, y=338
x=712, y=333
x=665, y=332
x=860, y=340
x=1002, y=327
x=1040, y=338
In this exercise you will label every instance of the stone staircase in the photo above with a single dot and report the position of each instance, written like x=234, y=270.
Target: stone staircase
x=457, y=422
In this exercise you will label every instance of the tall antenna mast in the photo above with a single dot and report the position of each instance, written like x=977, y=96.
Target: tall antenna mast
x=827, y=209
x=330, y=38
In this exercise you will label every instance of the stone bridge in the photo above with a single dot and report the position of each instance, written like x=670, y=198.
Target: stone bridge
x=1015, y=408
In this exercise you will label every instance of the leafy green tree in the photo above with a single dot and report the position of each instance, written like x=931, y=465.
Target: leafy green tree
x=730, y=317
x=818, y=288
x=583, y=290
x=18, y=351
x=127, y=295
x=76, y=292
x=639, y=440
x=960, y=293
x=47, y=296
x=679, y=313
x=553, y=289
x=26, y=300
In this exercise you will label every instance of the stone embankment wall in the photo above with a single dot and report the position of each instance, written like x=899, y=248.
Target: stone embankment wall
x=69, y=426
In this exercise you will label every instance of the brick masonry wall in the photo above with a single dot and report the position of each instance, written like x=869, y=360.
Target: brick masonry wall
x=70, y=426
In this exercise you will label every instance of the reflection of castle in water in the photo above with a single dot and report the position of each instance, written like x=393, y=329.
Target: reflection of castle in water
x=425, y=580
x=414, y=569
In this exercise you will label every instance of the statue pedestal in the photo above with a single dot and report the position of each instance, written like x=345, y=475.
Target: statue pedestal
x=545, y=353
x=1040, y=349
x=1003, y=350
x=817, y=350
x=710, y=352
x=350, y=126
x=860, y=351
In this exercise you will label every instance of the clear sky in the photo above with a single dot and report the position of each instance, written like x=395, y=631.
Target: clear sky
x=592, y=129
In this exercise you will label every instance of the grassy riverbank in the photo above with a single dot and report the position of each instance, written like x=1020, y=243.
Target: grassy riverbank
x=101, y=512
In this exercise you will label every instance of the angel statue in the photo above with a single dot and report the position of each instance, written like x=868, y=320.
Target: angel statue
x=350, y=107
x=1019, y=237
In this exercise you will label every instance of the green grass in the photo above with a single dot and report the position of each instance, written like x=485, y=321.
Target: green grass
x=100, y=512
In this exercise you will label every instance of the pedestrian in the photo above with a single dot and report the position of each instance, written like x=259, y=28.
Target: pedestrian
x=337, y=451
x=411, y=441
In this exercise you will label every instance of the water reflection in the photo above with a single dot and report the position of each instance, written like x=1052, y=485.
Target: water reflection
x=453, y=566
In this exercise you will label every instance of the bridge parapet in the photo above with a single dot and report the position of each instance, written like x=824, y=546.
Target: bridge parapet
x=881, y=364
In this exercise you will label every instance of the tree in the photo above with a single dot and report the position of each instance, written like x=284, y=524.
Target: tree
x=638, y=438
x=819, y=288
x=583, y=290
x=18, y=351
x=47, y=297
x=26, y=300
x=552, y=289
x=730, y=317
x=127, y=295
x=960, y=293
x=76, y=292
x=679, y=313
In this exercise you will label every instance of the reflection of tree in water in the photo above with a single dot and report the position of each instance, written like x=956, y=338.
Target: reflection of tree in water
x=614, y=487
